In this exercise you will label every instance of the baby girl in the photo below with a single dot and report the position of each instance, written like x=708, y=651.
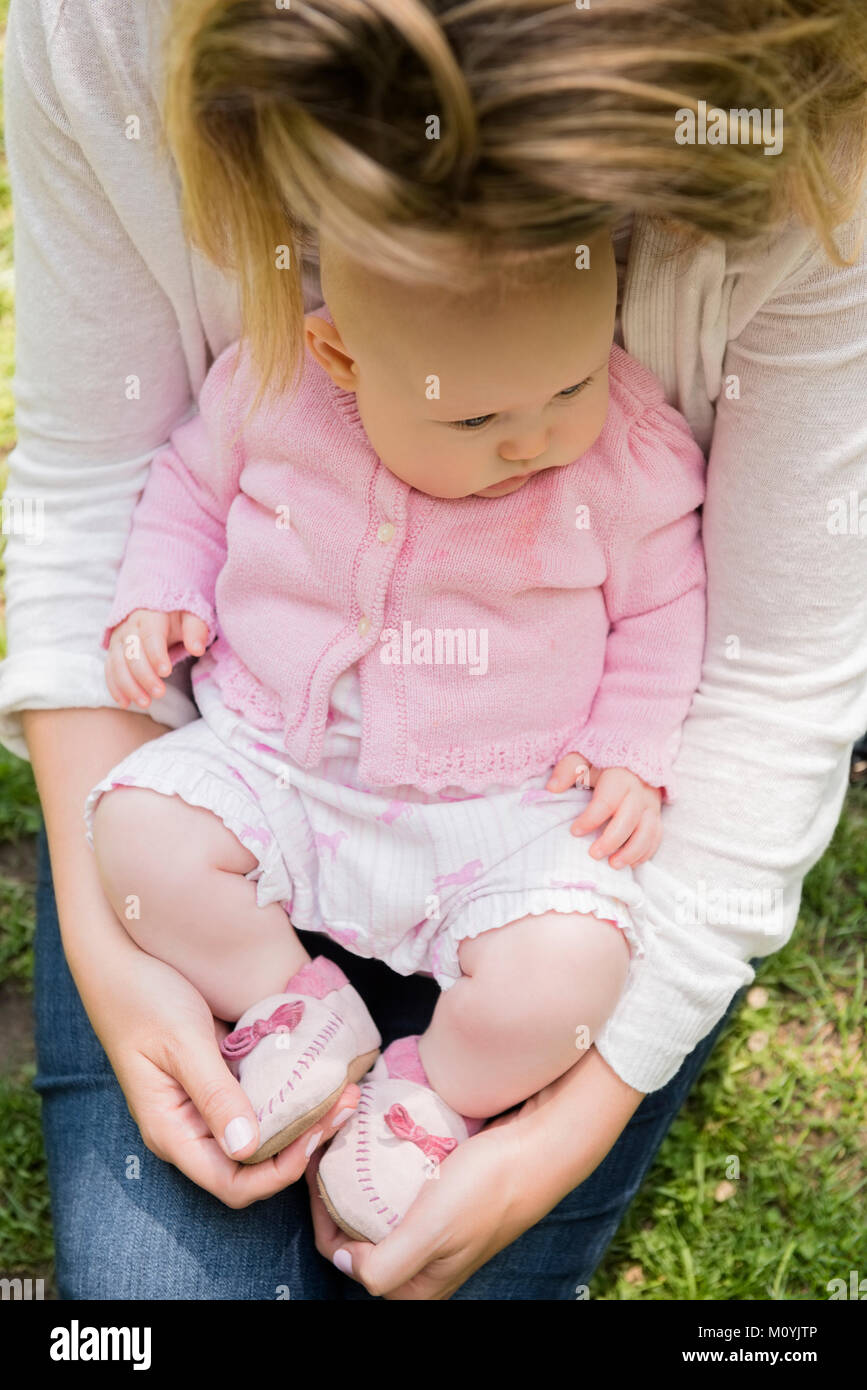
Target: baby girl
x=448, y=606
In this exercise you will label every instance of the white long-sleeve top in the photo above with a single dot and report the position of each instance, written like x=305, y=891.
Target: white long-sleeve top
x=764, y=352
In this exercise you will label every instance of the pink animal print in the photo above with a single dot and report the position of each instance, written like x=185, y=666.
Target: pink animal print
x=235, y=773
x=264, y=748
x=435, y=956
x=330, y=841
x=561, y=883
x=395, y=809
x=347, y=936
x=465, y=874
x=250, y=832
x=536, y=794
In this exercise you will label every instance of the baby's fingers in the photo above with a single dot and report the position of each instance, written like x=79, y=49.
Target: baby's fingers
x=566, y=772
x=601, y=805
x=120, y=680
x=618, y=830
x=143, y=652
x=642, y=843
x=194, y=633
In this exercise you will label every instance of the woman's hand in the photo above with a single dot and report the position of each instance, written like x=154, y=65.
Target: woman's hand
x=138, y=652
x=163, y=1044
x=631, y=807
x=479, y=1203
x=491, y=1189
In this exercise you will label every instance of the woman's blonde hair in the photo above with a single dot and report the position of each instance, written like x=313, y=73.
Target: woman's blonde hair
x=434, y=139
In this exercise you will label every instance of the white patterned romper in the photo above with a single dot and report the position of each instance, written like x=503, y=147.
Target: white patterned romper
x=394, y=873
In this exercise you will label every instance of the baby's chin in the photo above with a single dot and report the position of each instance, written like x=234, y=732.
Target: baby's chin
x=492, y=490
x=501, y=489
x=496, y=490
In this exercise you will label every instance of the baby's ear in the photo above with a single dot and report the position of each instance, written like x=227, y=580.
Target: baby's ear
x=325, y=344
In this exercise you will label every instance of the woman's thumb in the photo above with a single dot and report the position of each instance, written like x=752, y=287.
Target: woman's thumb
x=219, y=1099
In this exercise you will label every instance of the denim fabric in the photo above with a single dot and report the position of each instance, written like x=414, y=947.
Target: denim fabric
x=159, y=1236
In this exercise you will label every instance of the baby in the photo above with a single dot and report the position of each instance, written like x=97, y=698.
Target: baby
x=448, y=606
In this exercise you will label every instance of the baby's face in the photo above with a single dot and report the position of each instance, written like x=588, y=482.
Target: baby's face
x=470, y=395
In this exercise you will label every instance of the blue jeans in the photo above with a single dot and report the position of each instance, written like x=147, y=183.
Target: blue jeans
x=159, y=1236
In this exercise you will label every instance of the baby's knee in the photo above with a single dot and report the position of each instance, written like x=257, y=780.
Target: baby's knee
x=548, y=944
x=543, y=967
x=132, y=841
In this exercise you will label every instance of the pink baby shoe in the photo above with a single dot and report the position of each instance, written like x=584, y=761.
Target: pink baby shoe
x=376, y=1165
x=294, y=1053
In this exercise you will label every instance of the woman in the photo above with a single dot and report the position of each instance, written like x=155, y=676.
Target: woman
x=552, y=120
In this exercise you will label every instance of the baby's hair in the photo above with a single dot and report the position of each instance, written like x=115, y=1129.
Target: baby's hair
x=437, y=140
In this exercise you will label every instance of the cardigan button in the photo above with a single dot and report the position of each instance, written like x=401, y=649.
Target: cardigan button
x=386, y=531
x=363, y=626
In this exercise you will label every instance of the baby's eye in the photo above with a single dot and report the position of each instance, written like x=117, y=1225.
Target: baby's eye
x=475, y=422
x=573, y=390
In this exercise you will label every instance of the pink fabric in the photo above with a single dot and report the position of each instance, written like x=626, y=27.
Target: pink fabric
x=402, y=1059
x=579, y=599
x=243, y=1040
x=401, y=1124
x=317, y=978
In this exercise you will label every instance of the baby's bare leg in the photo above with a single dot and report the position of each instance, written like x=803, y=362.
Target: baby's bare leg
x=174, y=875
x=532, y=998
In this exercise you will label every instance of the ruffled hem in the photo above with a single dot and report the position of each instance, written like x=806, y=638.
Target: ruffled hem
x=211, y=793
x=241, y=691
x=497, y=909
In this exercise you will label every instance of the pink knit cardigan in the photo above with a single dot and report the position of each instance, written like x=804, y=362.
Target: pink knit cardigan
x=492, y=635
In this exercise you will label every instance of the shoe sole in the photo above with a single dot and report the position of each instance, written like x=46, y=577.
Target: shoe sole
x=284, y=1137
x=335, y=1215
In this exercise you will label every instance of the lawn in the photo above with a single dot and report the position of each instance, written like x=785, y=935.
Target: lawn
x=758, y=1191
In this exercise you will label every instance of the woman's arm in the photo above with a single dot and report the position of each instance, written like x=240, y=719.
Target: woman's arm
x=763, y=764
x=155, y=1027
x=104, y=350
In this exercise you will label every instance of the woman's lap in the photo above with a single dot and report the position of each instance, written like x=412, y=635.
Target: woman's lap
x=130, y=1226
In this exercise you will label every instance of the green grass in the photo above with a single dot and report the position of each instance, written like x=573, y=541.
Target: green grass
x=784, y=1092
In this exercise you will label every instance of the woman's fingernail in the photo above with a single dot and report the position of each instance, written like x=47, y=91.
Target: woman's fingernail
x=343, y=1261
x=312, y=1142
x=340, y=1117
x=237, y=1134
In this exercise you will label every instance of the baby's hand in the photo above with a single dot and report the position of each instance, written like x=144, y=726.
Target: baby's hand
x=632, y=808
x=138, y=652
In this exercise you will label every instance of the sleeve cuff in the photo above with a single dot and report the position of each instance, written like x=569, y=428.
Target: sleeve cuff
x=48, y=679
x=610, y=750
x=191, y=601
